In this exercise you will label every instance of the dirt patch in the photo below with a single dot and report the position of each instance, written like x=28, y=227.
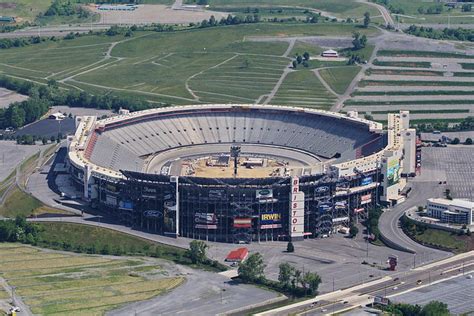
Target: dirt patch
x=7, y=5
x=469, y=240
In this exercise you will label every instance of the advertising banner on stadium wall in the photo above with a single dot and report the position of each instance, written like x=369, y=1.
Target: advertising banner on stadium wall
x=217, y=194
x=110, y=200
x=340, y=205
x=366, y=181
x=242, y=222
x=205, y=220
x=126, y=205
x=270, y=218
x=264, y=194
x=358, y=210
x=296, y=209
x=366, y=199
x=270, y=226
x=393, y=171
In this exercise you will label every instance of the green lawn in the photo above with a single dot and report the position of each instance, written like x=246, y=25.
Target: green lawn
x=27, y=10
x=339, y=78
x=217, y=64
x=442, y=238
x=19, y=203
x=302, y=88
x=77, y=237
x=411, y=14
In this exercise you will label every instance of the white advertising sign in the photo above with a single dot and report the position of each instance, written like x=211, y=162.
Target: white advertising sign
x=296, y=209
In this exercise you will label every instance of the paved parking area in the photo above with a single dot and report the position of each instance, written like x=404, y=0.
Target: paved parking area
x=12, y=154
x=454, y=163
x=458, y=293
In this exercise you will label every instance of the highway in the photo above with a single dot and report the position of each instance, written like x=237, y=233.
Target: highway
x=402, y=282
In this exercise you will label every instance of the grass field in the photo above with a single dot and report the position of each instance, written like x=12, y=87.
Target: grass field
x=302, y=88
x=27, y=10
x=217, y=65
x=411, y=14
x=442, y=238
x=83, y=237
x=339, y=8
x=339, y=78
x=59, y=283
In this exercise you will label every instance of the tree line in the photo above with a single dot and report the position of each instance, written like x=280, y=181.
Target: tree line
x=41, y=97
x=290, y=280
x=459, y=34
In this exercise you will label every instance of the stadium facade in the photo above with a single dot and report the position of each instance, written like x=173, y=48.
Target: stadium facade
x=342, y=166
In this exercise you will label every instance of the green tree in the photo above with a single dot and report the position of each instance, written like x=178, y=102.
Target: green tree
x=435, y=308
x=306, y=56
x=455, y=141
x=358, y=41
x=294, y=64
x=252, y=269
x=44, y=140
x=197, y=251
x=468, y=141
x=311, y=281
x=299, y=59
x=366, y=19
x=285, y=275
x=290, y=247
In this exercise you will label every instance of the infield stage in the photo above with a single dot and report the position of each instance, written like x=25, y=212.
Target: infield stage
x=174, y=161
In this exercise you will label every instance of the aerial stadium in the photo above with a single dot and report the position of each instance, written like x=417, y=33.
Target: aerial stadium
x=240, y=173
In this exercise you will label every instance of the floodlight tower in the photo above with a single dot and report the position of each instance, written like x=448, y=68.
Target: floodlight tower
x=235, y=152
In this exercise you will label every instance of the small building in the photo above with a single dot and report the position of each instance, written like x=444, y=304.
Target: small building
x=57, y=116
x=330, y=53
x=237, y=255
x=456, y=211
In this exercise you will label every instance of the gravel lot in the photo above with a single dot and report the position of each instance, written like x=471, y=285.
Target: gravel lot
x=156, y=14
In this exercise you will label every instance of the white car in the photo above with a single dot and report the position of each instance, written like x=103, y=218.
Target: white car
x=15, y=309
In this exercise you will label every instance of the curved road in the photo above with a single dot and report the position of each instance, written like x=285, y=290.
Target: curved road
x=389, y=221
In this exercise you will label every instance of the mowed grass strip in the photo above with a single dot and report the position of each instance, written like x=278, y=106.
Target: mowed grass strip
x=303, y=88
x=419, y=53
x=364, y=83
x=417, y=92
x=89, y=287
x=339, y=78
x=405, y=72
x=409, y=64
x=236, y=78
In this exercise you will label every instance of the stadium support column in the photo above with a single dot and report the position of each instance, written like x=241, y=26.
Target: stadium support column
x=175, y=180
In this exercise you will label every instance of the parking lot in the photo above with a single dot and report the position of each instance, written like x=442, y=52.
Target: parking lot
x=12, y=154
x=458, y=293
x=452, y=164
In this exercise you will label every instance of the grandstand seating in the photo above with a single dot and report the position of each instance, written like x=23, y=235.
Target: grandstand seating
x=121, y=146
